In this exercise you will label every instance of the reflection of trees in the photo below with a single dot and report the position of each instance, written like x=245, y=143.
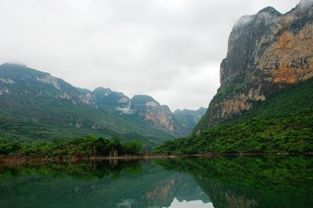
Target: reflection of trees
x=234, y=201
x=87, y=169
x=252, y=182
x=105, y=183
x=229, y=182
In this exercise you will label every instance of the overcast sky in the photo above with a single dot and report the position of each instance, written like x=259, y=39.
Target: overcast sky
x=169, y=49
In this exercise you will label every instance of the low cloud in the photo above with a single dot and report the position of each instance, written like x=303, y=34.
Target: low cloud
x=170, y=50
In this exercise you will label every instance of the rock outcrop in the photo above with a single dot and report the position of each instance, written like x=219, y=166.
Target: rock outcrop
x=267, y=52
x=36, y=98
x=150, y=110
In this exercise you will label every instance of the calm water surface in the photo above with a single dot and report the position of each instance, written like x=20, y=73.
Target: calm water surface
x=242, y=182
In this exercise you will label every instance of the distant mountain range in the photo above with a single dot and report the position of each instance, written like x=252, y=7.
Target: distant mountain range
x=37, y=106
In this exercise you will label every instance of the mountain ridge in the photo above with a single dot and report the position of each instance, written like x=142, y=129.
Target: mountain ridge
x=48, y=103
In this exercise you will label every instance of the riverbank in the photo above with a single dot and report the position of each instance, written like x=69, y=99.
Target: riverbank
x=18, y=159
x=11, y=159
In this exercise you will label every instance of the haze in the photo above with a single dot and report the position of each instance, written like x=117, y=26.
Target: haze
x=169, y=49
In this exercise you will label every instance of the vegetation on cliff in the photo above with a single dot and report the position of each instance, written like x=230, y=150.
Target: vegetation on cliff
x=260, y=105
x=283, y=123
x=267, y=52
x=36, y=106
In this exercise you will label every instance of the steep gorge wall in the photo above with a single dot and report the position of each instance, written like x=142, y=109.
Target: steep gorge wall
x=267, y=52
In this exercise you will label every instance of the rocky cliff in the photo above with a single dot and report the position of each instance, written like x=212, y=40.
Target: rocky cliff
x=267, y=52
x=150, y=110
x=36, y=105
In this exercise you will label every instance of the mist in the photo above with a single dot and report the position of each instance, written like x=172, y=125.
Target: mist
x=170, y=50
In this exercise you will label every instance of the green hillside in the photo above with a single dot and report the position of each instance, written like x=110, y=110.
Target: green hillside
x=35, y=106
x=282, y=123
x=189, y=118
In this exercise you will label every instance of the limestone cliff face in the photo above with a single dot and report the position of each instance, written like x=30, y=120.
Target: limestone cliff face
x=150, y=110
x=102, y=110
x=266, y=52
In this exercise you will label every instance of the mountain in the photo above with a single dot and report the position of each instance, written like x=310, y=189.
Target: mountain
x=267, y=52
x=282, y=123
x=265, y=102
x=189, y=118
x=150, y=110
x=35, y=105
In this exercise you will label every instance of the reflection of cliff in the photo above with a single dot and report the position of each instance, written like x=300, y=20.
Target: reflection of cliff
x=229, y=182
x=252, y=182
x=225, y=197
x=181, y=187
x=95, y=185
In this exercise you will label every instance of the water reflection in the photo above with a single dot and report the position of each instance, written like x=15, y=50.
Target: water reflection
x=220, y=182
x=97, y=184
x=188, y=204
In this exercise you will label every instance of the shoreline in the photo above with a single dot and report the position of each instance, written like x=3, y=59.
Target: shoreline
x=18, y=159
x=13, y=159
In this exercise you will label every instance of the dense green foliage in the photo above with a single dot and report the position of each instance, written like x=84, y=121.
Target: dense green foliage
x=230, y=88
x=80, y=147
x=283, y=123
x=36, y=106
x=251, y=181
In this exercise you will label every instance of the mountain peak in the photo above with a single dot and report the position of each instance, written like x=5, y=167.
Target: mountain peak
x=103, y=90
x=268, y=52
x=267, y=14
x=142, y=99
x=8, y=64
x=15, y=69
x=269, y=10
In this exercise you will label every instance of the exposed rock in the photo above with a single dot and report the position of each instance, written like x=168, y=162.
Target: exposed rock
x=150, y=110
x=124, y=100
x=49, y=80
x=6, y=81
x=33, y=89
x=5, y=91
x=65, y=96
x=266, y=52
x=87, y=98
x=79, y=125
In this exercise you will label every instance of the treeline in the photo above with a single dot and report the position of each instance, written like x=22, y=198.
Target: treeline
x=282, y=123
x=80, y=147
x=258, y=135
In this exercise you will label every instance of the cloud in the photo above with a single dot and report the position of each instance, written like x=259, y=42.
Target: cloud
x=170, y=50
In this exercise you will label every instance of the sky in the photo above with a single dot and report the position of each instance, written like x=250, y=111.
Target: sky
x=168, y=49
